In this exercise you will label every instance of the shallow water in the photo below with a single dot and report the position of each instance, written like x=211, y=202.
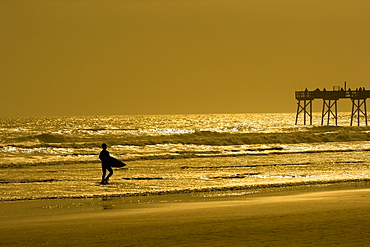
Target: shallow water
x=225, y=175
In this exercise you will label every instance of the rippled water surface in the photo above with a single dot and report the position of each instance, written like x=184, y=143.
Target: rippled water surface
x=56, y=157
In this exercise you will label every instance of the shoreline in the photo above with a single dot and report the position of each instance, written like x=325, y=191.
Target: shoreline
x=237, y=190
x=327, y=215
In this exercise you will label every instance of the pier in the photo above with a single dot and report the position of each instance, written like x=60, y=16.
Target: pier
x=330, y=104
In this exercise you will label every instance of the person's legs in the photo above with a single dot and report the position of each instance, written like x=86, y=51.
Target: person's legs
x=104, y=171
x=110, y=173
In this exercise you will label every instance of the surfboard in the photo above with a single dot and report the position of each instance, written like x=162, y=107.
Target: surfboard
x=116, y=163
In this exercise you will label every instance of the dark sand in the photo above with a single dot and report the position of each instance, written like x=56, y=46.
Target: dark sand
x=321, y=218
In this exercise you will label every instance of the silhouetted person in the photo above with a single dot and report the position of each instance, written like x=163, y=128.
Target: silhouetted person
x=105, y=164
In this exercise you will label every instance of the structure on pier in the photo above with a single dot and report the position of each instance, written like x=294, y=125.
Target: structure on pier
x=330, y=104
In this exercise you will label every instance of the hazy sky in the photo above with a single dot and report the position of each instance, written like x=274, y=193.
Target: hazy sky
x=93, y=57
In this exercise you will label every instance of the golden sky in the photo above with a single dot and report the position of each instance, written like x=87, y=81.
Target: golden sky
x=102, y=57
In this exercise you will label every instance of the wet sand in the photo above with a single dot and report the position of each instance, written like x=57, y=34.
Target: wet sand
x=321, y=218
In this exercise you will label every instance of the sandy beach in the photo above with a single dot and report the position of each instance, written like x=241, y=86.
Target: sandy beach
x=319, y=218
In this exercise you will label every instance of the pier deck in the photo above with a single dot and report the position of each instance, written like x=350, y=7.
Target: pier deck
x=334, y=95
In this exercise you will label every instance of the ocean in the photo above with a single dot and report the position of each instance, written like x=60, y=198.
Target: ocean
x=217, y=155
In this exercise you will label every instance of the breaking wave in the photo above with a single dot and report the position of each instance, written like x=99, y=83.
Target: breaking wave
x=214, y=138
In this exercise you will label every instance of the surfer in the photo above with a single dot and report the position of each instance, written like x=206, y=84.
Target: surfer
x=105, y=164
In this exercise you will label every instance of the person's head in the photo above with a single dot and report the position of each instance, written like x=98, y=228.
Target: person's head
x=104, y=146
